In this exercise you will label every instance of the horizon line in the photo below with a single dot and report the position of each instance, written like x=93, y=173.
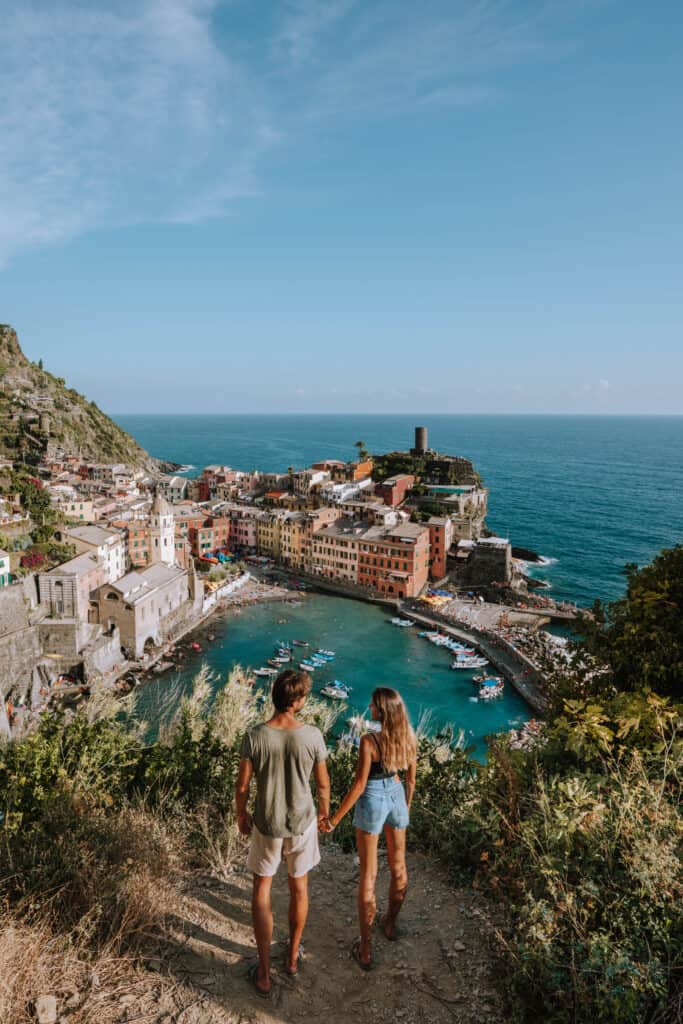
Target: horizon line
x=304, y=412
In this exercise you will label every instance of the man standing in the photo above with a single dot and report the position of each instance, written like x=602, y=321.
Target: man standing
x=282, y=753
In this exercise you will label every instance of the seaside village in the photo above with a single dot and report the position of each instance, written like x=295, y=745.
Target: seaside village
x=147, y=558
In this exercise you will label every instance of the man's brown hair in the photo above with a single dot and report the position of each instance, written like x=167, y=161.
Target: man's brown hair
x=288, y=687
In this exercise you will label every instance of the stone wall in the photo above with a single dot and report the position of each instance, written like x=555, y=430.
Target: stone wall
x=20, y=652
x=103, y=655
x=489, y=563
x=14, y=609
x=64, y=638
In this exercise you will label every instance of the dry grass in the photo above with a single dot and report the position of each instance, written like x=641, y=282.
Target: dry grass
x=89, y=963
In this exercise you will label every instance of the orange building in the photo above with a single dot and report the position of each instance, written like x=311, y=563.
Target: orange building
x=441, y=534
x=391, y=560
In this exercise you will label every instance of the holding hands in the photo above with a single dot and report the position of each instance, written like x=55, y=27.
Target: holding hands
x=244, y=823
x=325, y=823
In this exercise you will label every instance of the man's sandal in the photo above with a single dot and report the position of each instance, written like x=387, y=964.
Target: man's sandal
x=252, y=973
x=355, y=953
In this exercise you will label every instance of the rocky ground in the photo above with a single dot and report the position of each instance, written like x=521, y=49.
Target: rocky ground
x=441, y=969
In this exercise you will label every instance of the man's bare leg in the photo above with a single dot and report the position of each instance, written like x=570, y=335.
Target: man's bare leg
x=366, y=845
x=398, y=886
x=298, y=912
x=262, y=916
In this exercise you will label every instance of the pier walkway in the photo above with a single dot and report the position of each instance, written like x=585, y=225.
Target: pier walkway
x=522, y=673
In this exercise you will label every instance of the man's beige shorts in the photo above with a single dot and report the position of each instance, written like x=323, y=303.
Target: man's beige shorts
x=301, y=852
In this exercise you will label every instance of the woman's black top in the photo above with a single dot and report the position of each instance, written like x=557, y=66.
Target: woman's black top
x=377, y=769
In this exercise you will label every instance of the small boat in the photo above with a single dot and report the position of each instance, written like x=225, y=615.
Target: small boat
x=342, y=686
x=300, y=643
x=491, y=688
x=335, y=692
x=320, y=653
x=261, y=672
x=162, y=666
x=274, y=663
x=397, y=621
x=428, y=634
x=307, y=667
x=457, y=648
x=466, y=663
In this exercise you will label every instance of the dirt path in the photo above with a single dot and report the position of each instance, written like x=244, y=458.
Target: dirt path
x=441, y=969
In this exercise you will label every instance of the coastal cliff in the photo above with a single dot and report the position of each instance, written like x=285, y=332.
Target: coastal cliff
x=38, y=409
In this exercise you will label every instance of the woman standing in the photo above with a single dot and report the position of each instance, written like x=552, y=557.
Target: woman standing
x=381, y=804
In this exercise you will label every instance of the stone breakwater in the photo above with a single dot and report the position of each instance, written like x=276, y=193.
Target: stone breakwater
x=521, y=672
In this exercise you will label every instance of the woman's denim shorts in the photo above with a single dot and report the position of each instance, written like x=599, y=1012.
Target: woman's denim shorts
x=383, y=802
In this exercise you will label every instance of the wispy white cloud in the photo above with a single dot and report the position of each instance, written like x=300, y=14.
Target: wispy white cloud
x=117, y=113
x=396, y=58
x=303, y=25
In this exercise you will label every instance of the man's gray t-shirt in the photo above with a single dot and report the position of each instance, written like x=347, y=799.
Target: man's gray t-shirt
x=283, y=760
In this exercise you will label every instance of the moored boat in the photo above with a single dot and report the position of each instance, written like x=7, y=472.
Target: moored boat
x=336, y=691
x=491, y=688
x=469, y=662
x=398, y=621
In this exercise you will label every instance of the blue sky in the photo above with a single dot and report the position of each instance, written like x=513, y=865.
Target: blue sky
x=222, y=205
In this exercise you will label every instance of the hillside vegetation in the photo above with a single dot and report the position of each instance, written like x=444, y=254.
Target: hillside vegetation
x=579, y=839
x=450, y=470
x=28, y=391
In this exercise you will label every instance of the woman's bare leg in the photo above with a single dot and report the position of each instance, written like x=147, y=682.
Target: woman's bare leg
x=398, y=886
x=366, y=844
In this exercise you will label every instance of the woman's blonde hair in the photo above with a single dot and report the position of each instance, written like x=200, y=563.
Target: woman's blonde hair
x=396, y=741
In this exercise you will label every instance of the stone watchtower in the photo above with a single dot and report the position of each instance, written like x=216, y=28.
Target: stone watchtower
x=420, y=441
x=162, y=532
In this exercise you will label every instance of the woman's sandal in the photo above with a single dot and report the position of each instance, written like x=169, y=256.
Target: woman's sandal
x=389, y=938
x=355, y=953
x=299, y=961
x=252, y=972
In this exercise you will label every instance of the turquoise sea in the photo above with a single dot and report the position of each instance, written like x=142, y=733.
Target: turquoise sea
x=590, y=494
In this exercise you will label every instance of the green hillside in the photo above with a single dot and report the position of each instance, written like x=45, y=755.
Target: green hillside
x=37, y=409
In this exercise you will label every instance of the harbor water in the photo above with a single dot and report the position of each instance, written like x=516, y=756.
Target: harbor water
x=369, y=650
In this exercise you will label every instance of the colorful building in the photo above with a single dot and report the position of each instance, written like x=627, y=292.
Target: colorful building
x=441, y=536
x=393, y=490
x=391, y=560
x=5, y=576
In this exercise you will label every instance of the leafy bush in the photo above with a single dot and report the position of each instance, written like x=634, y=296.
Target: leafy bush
x=581, y=840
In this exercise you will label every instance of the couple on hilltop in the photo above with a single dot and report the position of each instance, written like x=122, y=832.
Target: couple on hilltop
x=281, y=754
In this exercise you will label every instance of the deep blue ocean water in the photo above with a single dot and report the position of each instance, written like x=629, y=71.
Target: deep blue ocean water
x=593, y=493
